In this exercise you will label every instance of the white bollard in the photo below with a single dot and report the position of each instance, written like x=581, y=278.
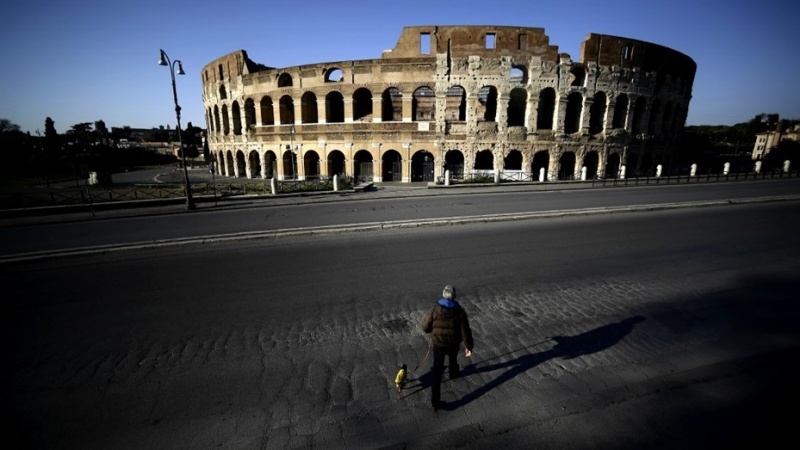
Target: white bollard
x=757, y=169
x=622, y=173
x=583, y=173
x=726, y=168
x=336, y=182
x=541, y=175
x=786, y=165
x=496, y=177
x=659, y=168
x=447, y=177
x=273, y=185
x=694, y=170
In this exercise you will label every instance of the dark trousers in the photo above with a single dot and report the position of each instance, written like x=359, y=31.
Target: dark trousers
x=439, y=353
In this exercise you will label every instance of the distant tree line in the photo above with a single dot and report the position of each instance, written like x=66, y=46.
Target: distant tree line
x=89, y=146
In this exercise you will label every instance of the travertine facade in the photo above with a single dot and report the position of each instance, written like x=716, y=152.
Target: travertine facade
x=464, y=98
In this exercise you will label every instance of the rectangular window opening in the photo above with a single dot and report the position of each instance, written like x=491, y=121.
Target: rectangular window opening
x=522, y=42
x=425, y=43
x=627, y=53
x=490, y=41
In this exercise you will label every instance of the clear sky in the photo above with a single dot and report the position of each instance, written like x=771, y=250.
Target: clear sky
x=86, y=60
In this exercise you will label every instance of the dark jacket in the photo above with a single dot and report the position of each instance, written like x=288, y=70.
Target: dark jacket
x=448, y=324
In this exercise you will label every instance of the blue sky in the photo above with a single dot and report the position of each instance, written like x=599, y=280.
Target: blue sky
x=86, y=60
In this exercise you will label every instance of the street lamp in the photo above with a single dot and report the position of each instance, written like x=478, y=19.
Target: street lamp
x=164, y=60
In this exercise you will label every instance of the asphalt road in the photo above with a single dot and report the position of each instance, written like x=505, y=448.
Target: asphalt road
x=643, y=330
x=385, y=205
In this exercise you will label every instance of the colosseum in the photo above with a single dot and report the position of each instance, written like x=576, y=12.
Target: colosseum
x=455, y=100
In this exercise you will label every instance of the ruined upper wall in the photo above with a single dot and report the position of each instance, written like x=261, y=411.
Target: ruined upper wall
x=230, y=66
x=628, y=53
x=467, y=40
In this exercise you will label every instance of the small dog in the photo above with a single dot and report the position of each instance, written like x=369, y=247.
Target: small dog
x=400, y=379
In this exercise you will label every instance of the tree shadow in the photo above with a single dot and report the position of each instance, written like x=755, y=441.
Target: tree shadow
x=567, y=347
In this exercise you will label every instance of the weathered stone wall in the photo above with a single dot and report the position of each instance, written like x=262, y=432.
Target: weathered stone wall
x=445, y=94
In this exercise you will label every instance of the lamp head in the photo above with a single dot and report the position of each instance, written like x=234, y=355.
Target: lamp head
x=180, y=69
x=161, y=60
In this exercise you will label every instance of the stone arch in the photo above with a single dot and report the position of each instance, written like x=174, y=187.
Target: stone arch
x=223, y=95
x=311, y=164
x=423, y=104
x=392, y=166
x=632, y=165
x=546, y=109
x=422, y=166
x=597, y=113
x=456, y=104
x=566, y=166
x=484, y=160
x=613, y=165
x=454, y=162
x=289, y=159
x=226, y=124
x=241, y=165
x=392, y=105
x=334, y=107
x=518, y=74
x=652, y=123
x=287, y=110
x=591, y=161
x=577, y=76
x=363, y=165
x=541, y=160
x=620, y=111
x=209, y=120
x=513, y=160
x=270, y=164
x=517, y=104
x=284, y=80
x=362, y=105
x=216, y=118
x=638, y=115
x=255, y=164
x=666, y=121
x=336, y=163
x=249, y=113
x=334, y=75
x=237, y=118
x=572, y=119
x=267, y=113
x=487, y=98
x=308, y=108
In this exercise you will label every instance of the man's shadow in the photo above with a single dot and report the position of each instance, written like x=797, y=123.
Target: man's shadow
x=567, y=347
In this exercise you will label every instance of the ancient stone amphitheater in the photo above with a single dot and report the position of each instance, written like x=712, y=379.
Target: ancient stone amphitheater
x=463, y=100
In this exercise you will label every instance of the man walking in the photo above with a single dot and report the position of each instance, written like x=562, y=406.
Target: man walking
x=448, y=324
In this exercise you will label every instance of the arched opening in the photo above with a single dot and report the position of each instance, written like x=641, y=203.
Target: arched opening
x=210, y=120
x=591, y=161
x=249, y=113
x=652, y=127
x=517, y=102
x=226, y=124
x=362, y=105
x=484, y=160
x=519, y=74
x=454, y=162
x=423, y=104
x=597, y=113
x=255, y=164
x=456, y=104
x=422, y=165
x=284, y=80
x=223, y=95
x=363, y=165
x=287, y=110
x=241, y=165
x=392, y=166
x=311, y=164
x=487, y=98
x=216, y=118
x=638, y=115
x=336, y=163
x=267, y=113
x=334, y=75
x=577, y=76
x=513, y=160
x=392, y=105
x=566, y=166
x=289, y=164
x=613, y=165
x=666, y=121
x=229, y=170
x=237, y=118
x=632, y=165
x=308, y=108
x=334, y=107
x=646, y=167
x=546, y=109
x=541, y=160
x=572, y=120
x=270, y=164
x=620, y=111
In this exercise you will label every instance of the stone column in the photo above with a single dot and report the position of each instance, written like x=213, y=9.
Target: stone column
x=377, y=111
x=408, y=107
x=348, y=110
x=322, y=111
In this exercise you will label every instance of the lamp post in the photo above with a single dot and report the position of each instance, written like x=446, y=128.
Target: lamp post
x=164, y=60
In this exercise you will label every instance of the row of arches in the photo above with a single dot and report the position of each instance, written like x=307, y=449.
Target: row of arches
x=422, y=166
x=637, y=115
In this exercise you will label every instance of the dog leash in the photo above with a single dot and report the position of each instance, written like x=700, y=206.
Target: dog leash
x=430, y=345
